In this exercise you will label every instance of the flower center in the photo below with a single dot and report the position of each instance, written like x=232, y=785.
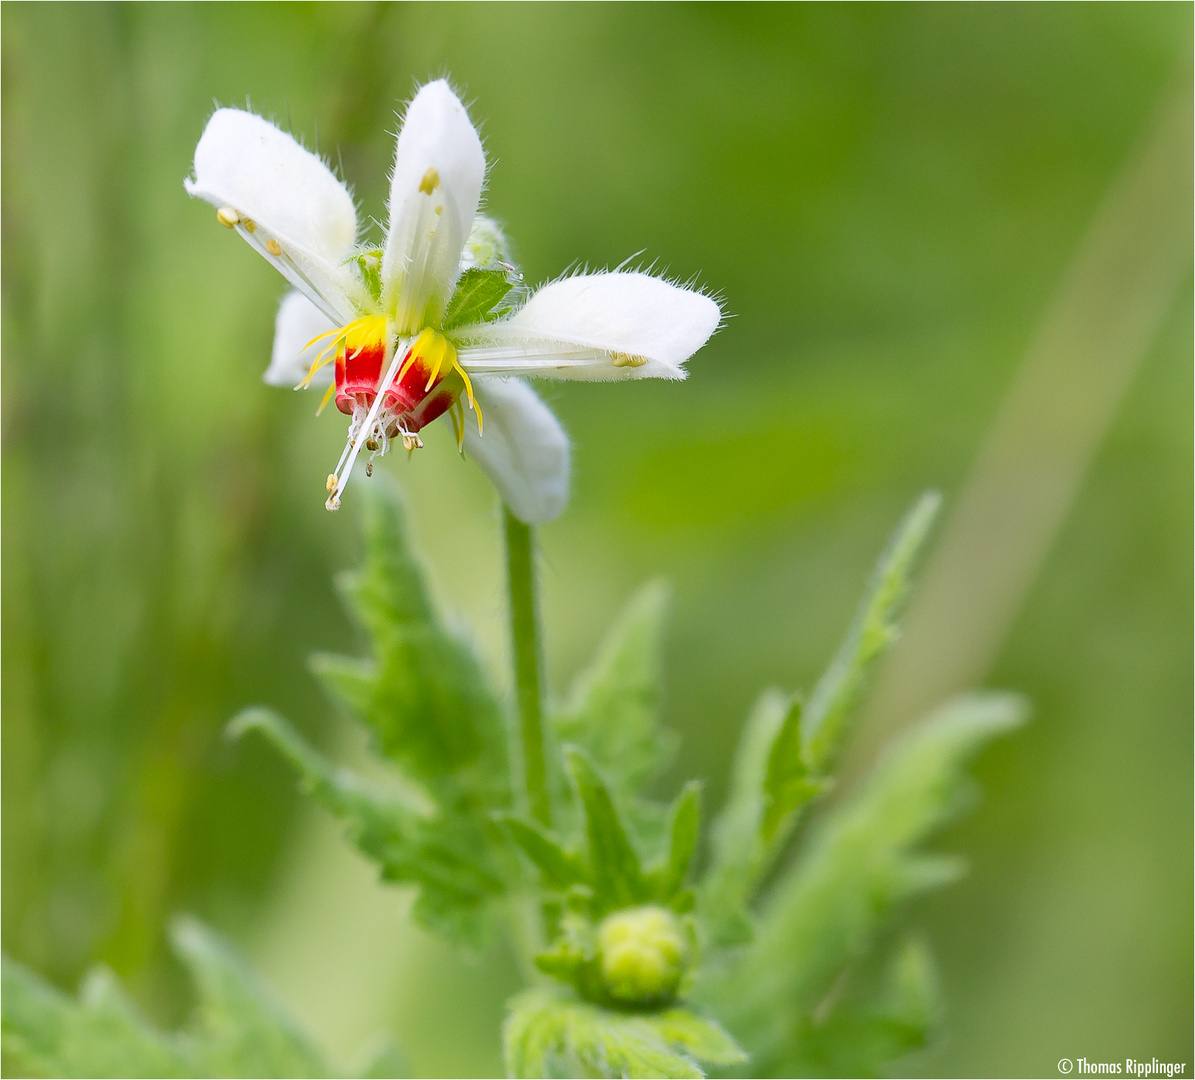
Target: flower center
x=391, y=389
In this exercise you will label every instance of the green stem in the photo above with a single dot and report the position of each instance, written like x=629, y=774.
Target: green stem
x=528, y=662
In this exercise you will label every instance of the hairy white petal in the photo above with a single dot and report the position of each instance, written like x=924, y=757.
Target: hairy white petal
x=645, y=327
x=523, y=450
x=299, y=321
x=439, y=168
x=285, y=198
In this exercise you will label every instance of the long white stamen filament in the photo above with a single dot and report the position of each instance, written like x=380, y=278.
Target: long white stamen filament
x=505, y=359
x=344, y=468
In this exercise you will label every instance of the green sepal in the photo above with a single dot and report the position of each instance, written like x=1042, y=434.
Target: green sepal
x=478, y=291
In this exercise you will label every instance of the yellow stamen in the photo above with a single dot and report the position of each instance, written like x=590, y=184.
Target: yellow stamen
x=227, y=217
x=621, y=359
x=430, y=181
x=273, y=247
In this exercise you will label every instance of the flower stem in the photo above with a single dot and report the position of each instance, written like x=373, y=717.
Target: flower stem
x=528, y=662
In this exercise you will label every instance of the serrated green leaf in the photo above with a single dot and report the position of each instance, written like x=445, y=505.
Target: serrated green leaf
x=736, y=850
x=246, y=1032
x=550, y=1035
x=861, y=863
x=702, y=1038
x=477, y=293
x=838, y=691
x=399, y=829
x=684, y=824
x=788, y=784
x=615, y=870
x=423, y=693
x=612, y=711
x=866, y=1030
x=101, y=1035
x=560, y=868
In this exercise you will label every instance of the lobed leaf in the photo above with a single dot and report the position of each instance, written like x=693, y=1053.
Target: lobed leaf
x=684, y=825
x=423, y=692
x=837, y=692
x=861, y=862
x=102, y=1034
x=615, y=870
x=560, y=867
x=412, y=841
x=548, y=1034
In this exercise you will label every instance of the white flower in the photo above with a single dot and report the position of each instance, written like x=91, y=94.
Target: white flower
x=412, y=331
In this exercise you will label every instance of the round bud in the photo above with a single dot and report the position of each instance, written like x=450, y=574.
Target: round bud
x=642, y=952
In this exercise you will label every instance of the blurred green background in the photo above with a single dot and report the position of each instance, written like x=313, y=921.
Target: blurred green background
x=886, y=196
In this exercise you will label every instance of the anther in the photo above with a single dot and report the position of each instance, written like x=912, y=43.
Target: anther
x=333, y=504
x=430, y=181
x=330, y=486
x=371, y=443
x=227, y=217
x=273, y=247
x=621, y=359
x=369, y=468
x=411, y=441
x=249, y=225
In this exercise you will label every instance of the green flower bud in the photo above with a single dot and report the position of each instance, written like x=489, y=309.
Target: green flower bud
x=643, y=952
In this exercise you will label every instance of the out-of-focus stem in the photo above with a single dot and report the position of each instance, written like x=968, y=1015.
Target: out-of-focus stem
x=527, y=656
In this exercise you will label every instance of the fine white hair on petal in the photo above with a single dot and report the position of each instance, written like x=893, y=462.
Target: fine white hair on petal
x=299, y=321
x=245, y=163
x=523, y=450
x=439, y=169
x=645, y=326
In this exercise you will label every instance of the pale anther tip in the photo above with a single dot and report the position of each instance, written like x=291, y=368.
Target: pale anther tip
x=330, y=486
x=273, y=247
x=332, y=505
x=227, y=217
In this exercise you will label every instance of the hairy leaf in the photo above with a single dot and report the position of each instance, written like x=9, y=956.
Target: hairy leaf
x=560, y=868
x=477, y=293
x=874, y=629
x=612, y=711
x=447, y=855
x=736, y=843
x=684, y=823
x=423, y=692
x=863, y=1033
x=861, y=862
x=240, y=1029
x=615, y=870
x=100, y=1035
x=549, y=1034
x=246, y=1032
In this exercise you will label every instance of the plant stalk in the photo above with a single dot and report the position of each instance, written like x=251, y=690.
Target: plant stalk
x=527, y=654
